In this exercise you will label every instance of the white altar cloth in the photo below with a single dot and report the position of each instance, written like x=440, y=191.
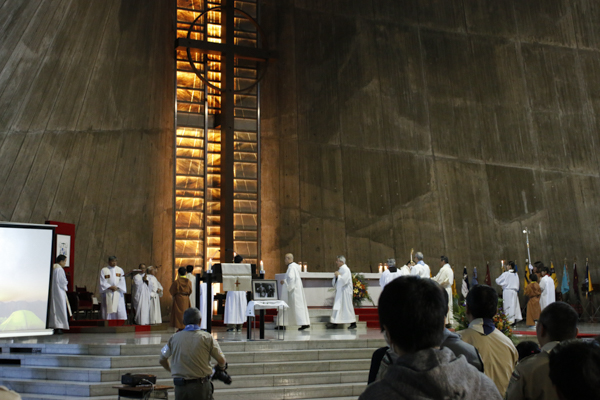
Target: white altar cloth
x=263, y=305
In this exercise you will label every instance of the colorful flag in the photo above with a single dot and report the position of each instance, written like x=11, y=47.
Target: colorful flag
x=588, y=280
x=527, y=279
x=576, y=282
x=564, y=288
x=465, y=283
x=553, y=275
x=474, y=282
x=453, y=284
x=488, y=279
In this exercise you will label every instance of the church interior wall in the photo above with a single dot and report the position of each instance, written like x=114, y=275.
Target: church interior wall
x=448, y=127
x=86, y=127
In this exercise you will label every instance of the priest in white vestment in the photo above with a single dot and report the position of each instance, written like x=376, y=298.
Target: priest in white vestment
x=292, y=292
x=192, y=278
x=391, y=273
x=156, y=292
x=406, y=269
x=236, y=303
x=58, y=317
x=112, y=290
x=421, y=269
x=509, y=282
x=143, y=269
x=446, y=278
x=142, y=298
x=548, y=290
x=343, y=308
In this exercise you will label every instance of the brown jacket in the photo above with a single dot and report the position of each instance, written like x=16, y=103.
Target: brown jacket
x=533, y=292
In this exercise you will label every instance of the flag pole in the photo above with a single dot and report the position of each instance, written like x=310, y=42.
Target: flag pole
x=526, y=232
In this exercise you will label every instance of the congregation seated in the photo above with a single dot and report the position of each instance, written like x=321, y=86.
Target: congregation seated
x=530, y=379
x=574, y=369
x=412, y=312
x=497, y=351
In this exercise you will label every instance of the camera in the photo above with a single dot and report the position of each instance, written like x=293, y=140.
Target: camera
x=219, y=373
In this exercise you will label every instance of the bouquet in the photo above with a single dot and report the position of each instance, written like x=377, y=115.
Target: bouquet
x=360, y=290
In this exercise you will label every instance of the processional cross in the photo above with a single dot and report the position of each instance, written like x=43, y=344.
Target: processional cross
x=229, y=52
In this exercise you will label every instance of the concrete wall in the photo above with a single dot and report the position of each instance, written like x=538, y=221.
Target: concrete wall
x=86, y=126
x=443, y=126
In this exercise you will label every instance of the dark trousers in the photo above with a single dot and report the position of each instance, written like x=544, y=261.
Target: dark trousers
x=195, y=391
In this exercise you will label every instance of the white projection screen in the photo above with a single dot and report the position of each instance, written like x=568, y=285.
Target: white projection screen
x=25, y=272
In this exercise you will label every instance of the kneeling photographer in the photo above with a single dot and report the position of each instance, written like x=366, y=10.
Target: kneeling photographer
x=190, y=351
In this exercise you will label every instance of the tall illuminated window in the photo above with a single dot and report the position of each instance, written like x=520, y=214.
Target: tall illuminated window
x=216, y=206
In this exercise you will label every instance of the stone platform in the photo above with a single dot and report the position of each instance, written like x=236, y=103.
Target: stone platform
x=304, y=365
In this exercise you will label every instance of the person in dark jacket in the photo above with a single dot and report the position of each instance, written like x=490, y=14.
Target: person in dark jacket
x=411, y=314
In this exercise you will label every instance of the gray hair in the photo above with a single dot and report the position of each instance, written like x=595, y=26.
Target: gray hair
x=112, y=258
x=342, y=259
x=391, y=262
x=419, y=256
x=192, y=316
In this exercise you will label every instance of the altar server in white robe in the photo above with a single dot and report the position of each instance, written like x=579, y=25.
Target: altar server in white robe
x=142, y=298
x=113, y=289
x=58, y=317
x=391, y=273
x=156, y=292
x=236, y=303
x=142, y=268
x=509, y=282
x=292, y=292
x=548, y=291
x=446, y=278
x=343, y=309
x=406, y=269
x=192, y=278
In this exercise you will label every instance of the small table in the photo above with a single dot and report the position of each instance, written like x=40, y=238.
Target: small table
x=142, y=392
x=264, y=305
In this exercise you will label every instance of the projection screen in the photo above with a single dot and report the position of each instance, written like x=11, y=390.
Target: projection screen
x=25, y=271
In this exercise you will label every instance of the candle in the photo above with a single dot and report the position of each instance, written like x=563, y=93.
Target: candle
x=385, y=266
x=262, y=267
x=305, y=267
x=380, y=268
x=210, y=266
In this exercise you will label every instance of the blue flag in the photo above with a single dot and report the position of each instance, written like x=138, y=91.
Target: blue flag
x=474, y=281
x=564, y=287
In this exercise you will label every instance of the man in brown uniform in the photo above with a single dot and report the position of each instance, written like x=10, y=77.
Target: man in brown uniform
x=190, y=351
x=180, y=290
x=531, y=378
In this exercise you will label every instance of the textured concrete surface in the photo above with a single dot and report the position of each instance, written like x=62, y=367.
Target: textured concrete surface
x=443, y=126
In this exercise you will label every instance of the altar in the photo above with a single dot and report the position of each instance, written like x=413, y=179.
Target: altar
x=319, y=292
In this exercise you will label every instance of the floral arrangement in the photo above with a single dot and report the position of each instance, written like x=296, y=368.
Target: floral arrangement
x=500, y=319
x=360, y=292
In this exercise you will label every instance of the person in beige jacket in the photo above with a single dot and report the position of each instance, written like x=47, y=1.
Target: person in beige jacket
x=497, y=351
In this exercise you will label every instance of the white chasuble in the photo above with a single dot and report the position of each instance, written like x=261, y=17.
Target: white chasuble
x=387, y=276
x=142, y=299
x=113, y=303
x=509, y=281
x=343, y=309
x=156, y=292
x=292, y=292
x=445, y=278
x=58, y=318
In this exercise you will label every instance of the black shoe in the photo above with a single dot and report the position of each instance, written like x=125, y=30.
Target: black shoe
x=230, y=330
x=280, y=328
x=331, y=326
x=303, y=327
x=352, y=326
x=58, y=332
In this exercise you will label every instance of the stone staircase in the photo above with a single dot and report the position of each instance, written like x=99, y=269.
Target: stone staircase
x=295, y=369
